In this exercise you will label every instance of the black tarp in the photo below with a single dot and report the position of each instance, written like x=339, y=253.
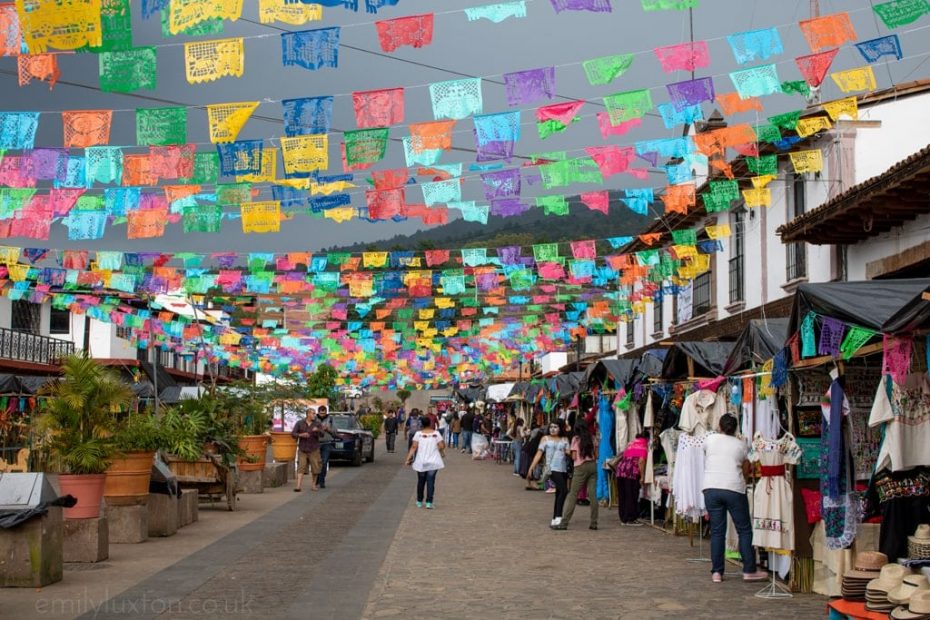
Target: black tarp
x=470, y=394
x=143, y=389
x=759, y=341
x=889, y=306
x=650, y=364
x=32, y=385
x=518, y=389
x=620, y=372
x=708, y=357
x=170, y=395
x=565, y=385
x=9, y=384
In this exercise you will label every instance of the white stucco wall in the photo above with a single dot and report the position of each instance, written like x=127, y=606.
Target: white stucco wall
x=905, y=129
x=887, y=244
x=6, y=315
x=553, y=361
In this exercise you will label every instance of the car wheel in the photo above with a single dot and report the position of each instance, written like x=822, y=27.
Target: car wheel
x=357, y=457
x=371, y=455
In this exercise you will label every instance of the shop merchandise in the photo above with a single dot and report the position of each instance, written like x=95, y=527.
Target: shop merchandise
x=840, y=503
x=902, y=499
x=773, y=514
x=876, y=593
x=905, y=411
x=918, y=545
x=701, y=411
x=917, y=608
x=909, y=585
x=688, y=478
x=867, y=567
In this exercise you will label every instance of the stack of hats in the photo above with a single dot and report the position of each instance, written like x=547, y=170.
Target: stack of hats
x=917, y=608
x=868, y=566
x=877, y=590
x=918, y=545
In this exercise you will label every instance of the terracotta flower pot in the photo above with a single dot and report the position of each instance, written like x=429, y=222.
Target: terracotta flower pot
x=283, y=447
x=254, y=446
x=88, y=489
x=128, y=478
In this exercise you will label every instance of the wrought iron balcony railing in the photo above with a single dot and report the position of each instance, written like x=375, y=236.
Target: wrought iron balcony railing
x=26, y=347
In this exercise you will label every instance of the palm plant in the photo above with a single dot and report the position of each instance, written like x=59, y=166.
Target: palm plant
x=78, y=415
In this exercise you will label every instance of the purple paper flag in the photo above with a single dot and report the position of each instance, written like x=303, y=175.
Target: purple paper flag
x=509, y=255
x=691, y=92
x=494, y=150
x=530, y=86
x=595, y=6
x=501, y=183
x=508, y=207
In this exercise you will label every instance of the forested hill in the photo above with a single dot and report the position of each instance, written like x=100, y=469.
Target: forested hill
x=524, y=230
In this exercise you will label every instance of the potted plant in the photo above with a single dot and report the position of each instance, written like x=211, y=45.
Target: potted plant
x=78, y=420
x=246, y=411
x=130, y=471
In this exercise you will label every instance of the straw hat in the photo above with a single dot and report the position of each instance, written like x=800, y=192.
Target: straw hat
x=918, y=607
x=868, y=565
x=911, y=584
x=918, y=545
x=890, y=578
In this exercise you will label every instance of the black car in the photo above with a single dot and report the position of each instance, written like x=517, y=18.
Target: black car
x=354, y=444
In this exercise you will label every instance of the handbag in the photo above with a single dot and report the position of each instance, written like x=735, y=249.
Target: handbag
x=547, y=473
x=611, y=463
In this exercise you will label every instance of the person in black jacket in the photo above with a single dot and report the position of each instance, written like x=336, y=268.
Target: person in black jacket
x=390, y=429
x=468, y=421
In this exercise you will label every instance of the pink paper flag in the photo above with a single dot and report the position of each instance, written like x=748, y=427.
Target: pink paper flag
x=596, y=201
x=683, y=57
x=561, y=112
x=608, y=129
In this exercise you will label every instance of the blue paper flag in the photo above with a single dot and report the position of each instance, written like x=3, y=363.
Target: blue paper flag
x=500, y=127
x=240, y=157
x=84, y=225
x=755, y=45
x=372, y=6
x=873, y=49
x=673, y=117
x=311, y=49
x=18, y=129
x=307, y=115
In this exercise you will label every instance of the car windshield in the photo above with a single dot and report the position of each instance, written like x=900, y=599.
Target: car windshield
x=346, y=423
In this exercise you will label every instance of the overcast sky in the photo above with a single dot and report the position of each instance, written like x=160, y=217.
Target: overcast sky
x=459, y=49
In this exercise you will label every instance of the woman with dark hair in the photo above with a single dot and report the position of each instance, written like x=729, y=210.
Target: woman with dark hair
x=555, y=449
x=426, y=452
x=584, y=455
x=630, y=472
x=725, y=470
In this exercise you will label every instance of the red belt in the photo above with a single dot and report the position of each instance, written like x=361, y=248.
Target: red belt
x=772, y=470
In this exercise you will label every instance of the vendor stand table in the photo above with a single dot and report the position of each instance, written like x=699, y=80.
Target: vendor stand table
x=842, y=609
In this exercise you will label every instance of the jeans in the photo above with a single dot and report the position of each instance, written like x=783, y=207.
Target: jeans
x=560, y=480
x=516, y=447
x=325, y=449
x=389, y=440
x=466, y=441
x=718, y=503
x=426, y=479
x=585, y=474
x=454, y=443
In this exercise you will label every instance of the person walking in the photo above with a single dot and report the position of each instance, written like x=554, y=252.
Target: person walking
x=390, y=430
x=631, y=471
x=517, y=436
x=456, y=428
x=426, y=452
x=412, y=425
x=584, y=456
x=555, y=449
x=327, y=439
x=443, y=428
x=467, y=421
x=725, y=469
x=307, y=432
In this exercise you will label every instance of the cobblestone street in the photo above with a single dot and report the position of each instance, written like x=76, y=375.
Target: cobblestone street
x=362, y=549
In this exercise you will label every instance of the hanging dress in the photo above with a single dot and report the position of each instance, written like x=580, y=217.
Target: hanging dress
x=688, y=478
x=772, y=514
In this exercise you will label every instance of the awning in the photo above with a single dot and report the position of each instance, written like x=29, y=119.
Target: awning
x=708, y=357
x=620, y=372
x=888, y=306
x=760, y=340
x=499, y=393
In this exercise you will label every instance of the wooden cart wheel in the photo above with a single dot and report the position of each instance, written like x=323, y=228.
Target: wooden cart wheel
x=231, y=489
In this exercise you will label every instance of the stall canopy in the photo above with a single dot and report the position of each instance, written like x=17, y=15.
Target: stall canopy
x=888, y=306
x=759, y=341
x=9, y=384
x=498, y=393
x=650, y=364
x=708, y=357
x=566, y=385
x=470, y=394
x=620, y=372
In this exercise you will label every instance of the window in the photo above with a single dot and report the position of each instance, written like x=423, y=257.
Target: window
x=701, y=300
x=59, y=321
x=657, y=312
x=629, y=333
x=123, y=332
x=737, y=249
x=796, y=252
x=25, y=317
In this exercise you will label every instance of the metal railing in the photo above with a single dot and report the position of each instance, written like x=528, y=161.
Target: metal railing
x=26, y=347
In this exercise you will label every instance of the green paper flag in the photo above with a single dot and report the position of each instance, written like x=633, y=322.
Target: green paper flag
x=202, y=218
x=233, y=193
x=787, y=121
x=606, y=69
x=162, y=127
x=126, y=71
x=767, y=133
x=546, y=252
x=206, y=169
x=855, y=338
x=115, y=27
x=901, y=12
x=365, y=146
x=552, y=205
x=764, y=164
x=800, y=87
x=687, y=236
x=547, y=128
x=626, y=106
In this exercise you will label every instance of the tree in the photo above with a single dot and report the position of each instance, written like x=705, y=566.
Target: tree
x=403, y=394
x=322, y=383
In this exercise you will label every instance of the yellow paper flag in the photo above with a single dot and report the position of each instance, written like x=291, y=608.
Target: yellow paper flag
x=227, y=119
x=810, y=126
x=361, y=285
x=757, y=197
x=185, y=14
x=295, y=183
x=807, y=161
x=18, y=272
x=289, y=12
x=717, y=232
x=269, y=168
x=9, y=255
x=762, y=181
x=329, y=188
x=59, y=25
x=444, y=302
x=261, y=217
x=305, y=153
x=205, y=61
x=842, y=107
x=427, y=313
x=339, y=214
x=855, y=80
x=374, y=259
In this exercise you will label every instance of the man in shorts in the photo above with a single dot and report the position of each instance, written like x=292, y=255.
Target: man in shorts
x=307, y=432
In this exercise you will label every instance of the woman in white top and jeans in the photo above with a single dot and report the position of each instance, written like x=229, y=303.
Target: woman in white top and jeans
x=428, y=448
x=725, y=470
x=556, y=451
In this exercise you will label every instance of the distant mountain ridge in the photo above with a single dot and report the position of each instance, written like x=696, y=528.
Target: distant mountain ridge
x=525, y=229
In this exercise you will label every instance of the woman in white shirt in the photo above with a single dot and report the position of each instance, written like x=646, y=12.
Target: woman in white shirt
x=426, y=453
x=725, y=470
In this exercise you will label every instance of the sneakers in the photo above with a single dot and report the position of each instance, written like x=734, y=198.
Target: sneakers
x=759, y=575
x=555, y=521
x=560, y=526
x=593, y=526
x=516, y=474
x=419, y=504
x=429, y=505
x=632, y=524
x=552, y=490
x=716, y=577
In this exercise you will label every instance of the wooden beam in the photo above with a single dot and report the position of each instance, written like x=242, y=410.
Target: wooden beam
x=825, y=359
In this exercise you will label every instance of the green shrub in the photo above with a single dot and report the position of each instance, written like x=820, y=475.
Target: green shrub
x=371, y=423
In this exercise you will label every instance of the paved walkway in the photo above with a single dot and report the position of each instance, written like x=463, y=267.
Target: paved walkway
x=361, y=549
